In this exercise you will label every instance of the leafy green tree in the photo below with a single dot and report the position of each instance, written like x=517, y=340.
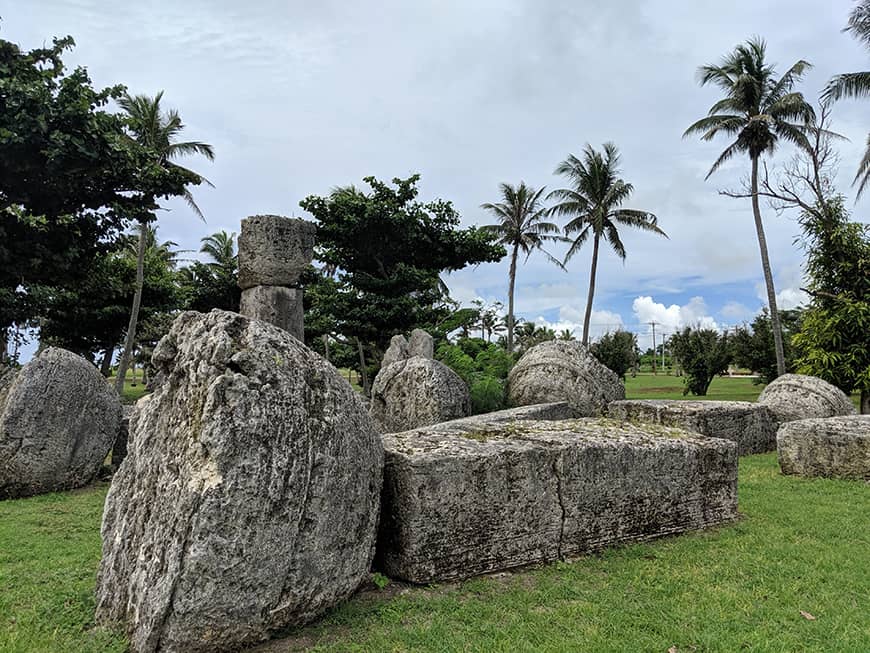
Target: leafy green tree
x=387, y=250
x=522, y=228
x=833, y=342
x=483, y=366
x=215, y=282
x=157, y=130
x=752, y=346
x=69, y=177
x=92, y=317
x=758, y=111
x=703, y=353
x=855, y=85
x=593, y=202
x=616, y=350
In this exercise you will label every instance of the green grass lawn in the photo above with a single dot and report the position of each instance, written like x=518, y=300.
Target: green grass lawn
x=803, y=545
x=662, y=386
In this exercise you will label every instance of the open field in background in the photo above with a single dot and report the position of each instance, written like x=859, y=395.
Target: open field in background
x=803, y=545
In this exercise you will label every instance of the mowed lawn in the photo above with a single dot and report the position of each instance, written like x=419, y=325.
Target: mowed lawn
x=792, y=575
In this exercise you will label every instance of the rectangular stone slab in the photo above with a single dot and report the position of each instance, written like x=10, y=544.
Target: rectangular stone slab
x=752, y=426
x=460, y=502
x=551, y=411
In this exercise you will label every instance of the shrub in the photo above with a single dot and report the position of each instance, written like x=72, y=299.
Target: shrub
x=703, y=353
x=487, y=394
x=617, y=350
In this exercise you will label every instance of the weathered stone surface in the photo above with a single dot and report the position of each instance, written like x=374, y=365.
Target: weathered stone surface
x=397, y=351
x=535, y=412
x=58, y=420
x=274, y=250
x=833, y=447
x=752, y=426
x=119, y=449
x=561, y=370
x=417, y=392
x=797, y=396
x=249, y=497
x=276, y=305
x=464, y=502
x=421, y=344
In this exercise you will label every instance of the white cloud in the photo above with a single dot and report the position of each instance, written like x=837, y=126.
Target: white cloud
x=673, y=317
x=571, y=318
x=789, y=297
x=736, y=312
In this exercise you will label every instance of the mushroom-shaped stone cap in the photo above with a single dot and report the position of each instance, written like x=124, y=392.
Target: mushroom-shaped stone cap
x=274, y=250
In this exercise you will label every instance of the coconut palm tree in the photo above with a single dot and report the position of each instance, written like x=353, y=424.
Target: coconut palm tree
x=855, y=85
x=593, y=202
x=157, y=130
x=758, y=111
x=521, y=228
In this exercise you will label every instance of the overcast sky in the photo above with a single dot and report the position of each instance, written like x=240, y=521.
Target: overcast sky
x=299, y=97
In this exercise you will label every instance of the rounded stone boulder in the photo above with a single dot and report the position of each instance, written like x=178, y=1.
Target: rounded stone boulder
x=560, y=370
x=249, y=498
x=58, y=420
x=417, y=392
x=797, y=396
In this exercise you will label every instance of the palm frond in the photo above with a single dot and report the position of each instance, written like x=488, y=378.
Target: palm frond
x=852, y=85
x=863, y=175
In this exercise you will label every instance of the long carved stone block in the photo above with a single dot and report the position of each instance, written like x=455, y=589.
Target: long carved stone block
x=752, y=426
x=837, y=447
x=536, y=412
x=465, y=501
x=276, y=305
x=274, y=250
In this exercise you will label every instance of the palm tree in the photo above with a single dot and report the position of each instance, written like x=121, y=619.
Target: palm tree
x=855, y=85
x=758, y=111
x=521, y=228
x=593, y=203
x=220, y=247
x=157, y=130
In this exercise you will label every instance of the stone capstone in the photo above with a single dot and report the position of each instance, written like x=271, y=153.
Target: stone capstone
x=417, y=392
x=752, y=426
x=58, y=420
x=276, y=305
x=561, y=370
x=421, y=344
x=249, y=497
x=837, y=447
x=465, y=501
x=797, y=396
x=274, y=250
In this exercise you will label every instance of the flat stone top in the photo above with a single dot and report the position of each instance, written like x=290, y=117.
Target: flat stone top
x=687, y=405
x=852, y=425
x=497, y=437
x=533, y=412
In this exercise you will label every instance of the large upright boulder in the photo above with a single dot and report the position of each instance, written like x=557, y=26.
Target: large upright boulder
x=417, y=392
x=58, y=421
x=249, y=497
x=561, y=370
x=797, y=396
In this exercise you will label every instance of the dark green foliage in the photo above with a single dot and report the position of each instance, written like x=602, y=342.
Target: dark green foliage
x=387, y=251
x=483, y=366
x=487, y=394
x=214, y=283
x=752, y=347
x=833, y=342
x=703, y=353
x=69, y=176
x=617, y=350
x=92, y=316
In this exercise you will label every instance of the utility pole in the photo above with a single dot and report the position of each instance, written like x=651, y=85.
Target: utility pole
x=653, y=325
x=664, y=335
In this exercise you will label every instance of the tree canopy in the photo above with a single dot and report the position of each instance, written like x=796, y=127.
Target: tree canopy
x=384, y=251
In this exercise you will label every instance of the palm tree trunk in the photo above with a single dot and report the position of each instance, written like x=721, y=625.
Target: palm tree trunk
x=768, y=275
x=326, y=347
x=865, y=402
x=510, y=315
x=134, y=312
x=591, y=291
x=106, y=364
